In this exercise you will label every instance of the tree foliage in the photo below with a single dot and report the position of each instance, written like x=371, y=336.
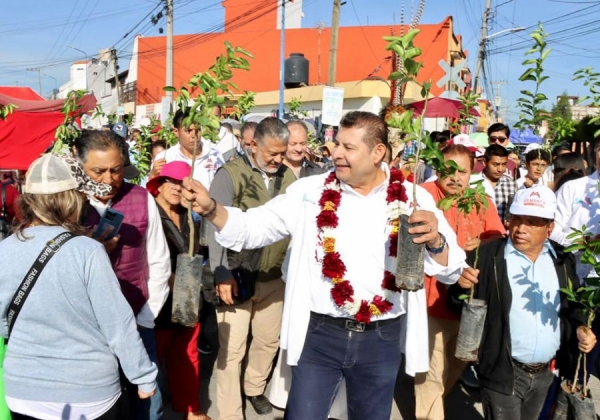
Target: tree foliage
x=212, y=86
x=466, y=119
x=591, y=80
x=530, y=103
x=6, y=110
x=67, y=132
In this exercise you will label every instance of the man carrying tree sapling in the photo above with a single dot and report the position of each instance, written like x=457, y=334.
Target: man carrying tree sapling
x=537, y=162
x=529, y=322
x=343, y=315
x=471, y=227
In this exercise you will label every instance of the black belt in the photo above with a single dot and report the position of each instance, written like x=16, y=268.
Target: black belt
x=532, y=368
x=352, y=325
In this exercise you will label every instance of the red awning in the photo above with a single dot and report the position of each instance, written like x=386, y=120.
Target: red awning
x=440, y=108
x=30, y=130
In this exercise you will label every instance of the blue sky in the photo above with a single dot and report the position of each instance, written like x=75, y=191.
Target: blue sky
x=35, y=34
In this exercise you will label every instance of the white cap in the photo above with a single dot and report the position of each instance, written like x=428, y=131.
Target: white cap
x=532, y=146
x=52, y=174
x=49, y=175
x=538, y=201
x=464, y=140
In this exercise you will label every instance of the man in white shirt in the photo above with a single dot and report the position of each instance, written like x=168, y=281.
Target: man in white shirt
x=578, y=204
x=537, y=162
x=208, y=158
x=139, y=253
x=228, y=144
x=343, y=316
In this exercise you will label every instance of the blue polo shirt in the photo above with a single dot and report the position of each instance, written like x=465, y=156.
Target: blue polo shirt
x=534, y=313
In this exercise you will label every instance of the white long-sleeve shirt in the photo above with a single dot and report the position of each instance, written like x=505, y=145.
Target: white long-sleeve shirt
x=207, y=163
x=362, y=238
x=578, y=204
x=159, y=263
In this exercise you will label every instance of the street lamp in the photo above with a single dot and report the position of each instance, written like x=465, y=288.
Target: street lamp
x=481, y=54
x=510, y=30
x=77, y=49
x=86, y=63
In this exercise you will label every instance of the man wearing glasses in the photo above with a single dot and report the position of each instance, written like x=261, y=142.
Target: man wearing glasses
x=500, y=134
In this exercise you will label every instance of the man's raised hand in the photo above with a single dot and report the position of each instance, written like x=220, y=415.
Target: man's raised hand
x=194, y=194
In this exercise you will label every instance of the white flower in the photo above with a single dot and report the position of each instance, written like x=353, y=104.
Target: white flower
x=397, y=208
x=351, y=307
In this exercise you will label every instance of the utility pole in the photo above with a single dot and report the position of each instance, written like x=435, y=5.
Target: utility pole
x=170, y=49
x=481, y=54
x=39, y=72
x=282, y=61
x=335, y=24
x=113, y=53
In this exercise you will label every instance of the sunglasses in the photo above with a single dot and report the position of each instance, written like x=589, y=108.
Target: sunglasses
x=494, y=139
x=172, y=181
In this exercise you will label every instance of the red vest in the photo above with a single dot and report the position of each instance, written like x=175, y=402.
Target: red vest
x=129, y=259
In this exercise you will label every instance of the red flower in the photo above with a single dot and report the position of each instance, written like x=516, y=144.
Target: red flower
x=394, y=244
x=394, y=192
x=396, y=175
x=383, y=305
x=330, y=178
x=363, y=314
x=333, y=266
x=330, y=195
x=389, y=282
x=327, y=218
x=342, y=292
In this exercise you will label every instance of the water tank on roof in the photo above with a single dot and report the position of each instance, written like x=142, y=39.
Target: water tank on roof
x=296, y=71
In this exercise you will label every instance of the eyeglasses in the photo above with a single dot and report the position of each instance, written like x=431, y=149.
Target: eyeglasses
x=494, y=139
x=173, y=181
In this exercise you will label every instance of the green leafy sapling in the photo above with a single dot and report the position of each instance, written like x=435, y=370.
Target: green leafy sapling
x=530, y=104
x=588, y=296
x=413, y=129
x=212, y=85
x=66, y=133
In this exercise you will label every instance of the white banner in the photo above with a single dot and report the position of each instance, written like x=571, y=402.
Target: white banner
x=333, y=105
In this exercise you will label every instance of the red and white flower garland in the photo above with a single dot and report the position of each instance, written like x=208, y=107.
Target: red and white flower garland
x=334, y=268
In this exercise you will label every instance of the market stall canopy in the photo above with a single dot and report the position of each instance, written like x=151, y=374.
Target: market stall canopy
x=526, y=136
x=440, y=108
x=30, y=129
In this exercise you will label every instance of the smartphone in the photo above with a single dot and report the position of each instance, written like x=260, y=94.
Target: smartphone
x=111, y=221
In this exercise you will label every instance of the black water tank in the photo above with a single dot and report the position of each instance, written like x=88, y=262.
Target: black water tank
x=296, y=71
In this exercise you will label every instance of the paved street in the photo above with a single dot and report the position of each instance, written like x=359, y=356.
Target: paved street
x=463, y=403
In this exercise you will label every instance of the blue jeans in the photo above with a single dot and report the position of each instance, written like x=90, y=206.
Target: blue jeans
x=150, y=408
x=527, y=400
x=369, y=361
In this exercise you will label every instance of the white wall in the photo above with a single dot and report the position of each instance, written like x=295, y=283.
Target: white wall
x=293, y=14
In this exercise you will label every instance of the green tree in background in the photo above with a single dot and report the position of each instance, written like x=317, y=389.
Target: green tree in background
x=561, y=125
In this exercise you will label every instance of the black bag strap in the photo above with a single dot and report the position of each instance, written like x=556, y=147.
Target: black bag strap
x=4, y=209
x=18, y=300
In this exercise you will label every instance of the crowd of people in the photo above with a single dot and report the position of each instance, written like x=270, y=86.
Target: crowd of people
x=299, y=244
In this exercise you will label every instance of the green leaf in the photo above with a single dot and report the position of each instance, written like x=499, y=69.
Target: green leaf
x=169, y=89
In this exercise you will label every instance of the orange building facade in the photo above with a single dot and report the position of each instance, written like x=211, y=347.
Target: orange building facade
x=253, y=26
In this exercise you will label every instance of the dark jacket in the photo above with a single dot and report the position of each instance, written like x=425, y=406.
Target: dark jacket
x=178, y=242
x=495, y=369
x=310, y=168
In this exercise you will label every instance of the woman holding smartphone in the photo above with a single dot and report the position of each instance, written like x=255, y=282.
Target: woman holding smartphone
x=177, y=345
x=74, y=328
